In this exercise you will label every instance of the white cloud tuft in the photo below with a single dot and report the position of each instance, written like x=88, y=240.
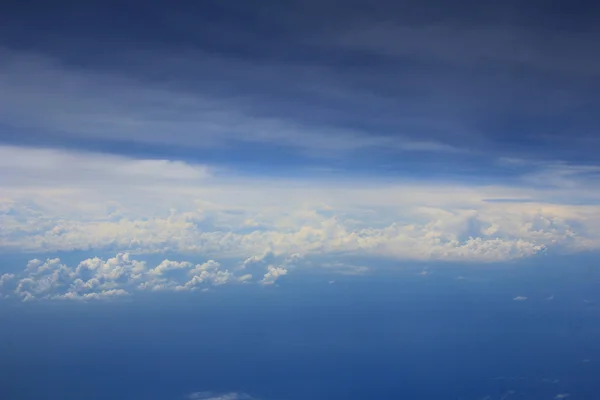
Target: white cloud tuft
x=520, y=298
x=105, y=294
x=5, y=278
x=273, y=274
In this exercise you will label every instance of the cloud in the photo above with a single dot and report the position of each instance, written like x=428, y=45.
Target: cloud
x=40, y=92
x=273, y=274
x=57, y=202
x=5, y=278
x=99, y=279
x=430, y=92
x=520, y=298
x=84, y=168
x=104, y=294
x=562, y=396
x=122, y=275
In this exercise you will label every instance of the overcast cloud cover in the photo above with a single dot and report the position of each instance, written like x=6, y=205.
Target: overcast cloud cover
x=229, y=130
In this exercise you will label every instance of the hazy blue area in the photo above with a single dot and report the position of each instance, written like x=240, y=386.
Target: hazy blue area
x=455, y=333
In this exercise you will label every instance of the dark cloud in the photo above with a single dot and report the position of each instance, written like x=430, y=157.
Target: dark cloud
x=494, y=78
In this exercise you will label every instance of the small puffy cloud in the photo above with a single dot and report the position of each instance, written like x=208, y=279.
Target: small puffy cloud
x=273, y=273
x=168, y=265
x=519, y=298
x=5, y=278
x=266, y=258
x=245, y=278
x=276, y=271
x=5, y=281
x=562, y=396
x=105, y=294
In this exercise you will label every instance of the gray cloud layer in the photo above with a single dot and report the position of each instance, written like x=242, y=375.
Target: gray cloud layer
x=507, y=78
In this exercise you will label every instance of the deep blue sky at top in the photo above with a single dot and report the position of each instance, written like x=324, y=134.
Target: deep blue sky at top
x=459, y=85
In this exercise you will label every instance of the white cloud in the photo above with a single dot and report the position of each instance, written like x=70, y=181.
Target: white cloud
x=63, y=201
x=5, y=278
x=520, y=298
x=122, y=275
x=96, y=279
x=92, y=296
x=59, y=168
x=168, y=265
x=273, y=274
x=562, y=396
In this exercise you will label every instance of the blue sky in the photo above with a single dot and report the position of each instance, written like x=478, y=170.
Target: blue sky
x=155, y=153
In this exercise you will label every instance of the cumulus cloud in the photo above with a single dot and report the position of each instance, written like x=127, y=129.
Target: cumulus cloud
x=5, y=278
x=520, y=298
x=59, y=201
x=273, y=274
x=122, y=275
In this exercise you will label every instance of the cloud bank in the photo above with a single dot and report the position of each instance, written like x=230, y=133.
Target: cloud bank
x=54, y=200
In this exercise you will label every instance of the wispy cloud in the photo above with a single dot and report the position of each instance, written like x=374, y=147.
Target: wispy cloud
x=71, y=104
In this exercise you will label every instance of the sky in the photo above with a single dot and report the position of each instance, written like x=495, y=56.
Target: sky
x=217, y=154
